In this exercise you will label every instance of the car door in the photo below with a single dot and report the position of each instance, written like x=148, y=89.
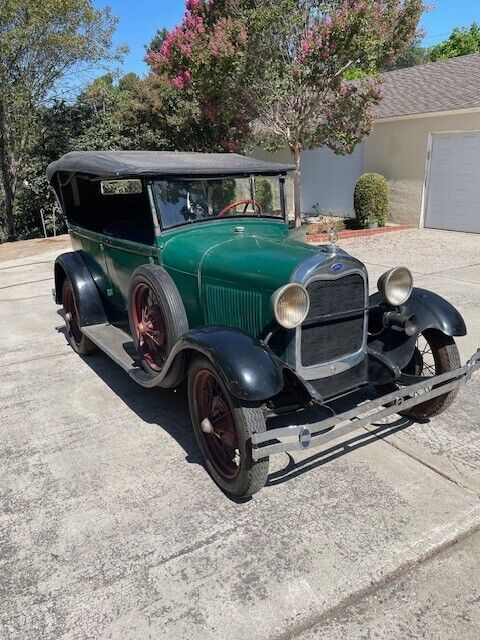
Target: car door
x=123, y=257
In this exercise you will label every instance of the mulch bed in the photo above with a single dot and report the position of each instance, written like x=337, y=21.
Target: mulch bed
x=358, y=233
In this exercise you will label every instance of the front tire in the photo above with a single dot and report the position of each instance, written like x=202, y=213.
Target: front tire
x=435, y=353
x=223, y=426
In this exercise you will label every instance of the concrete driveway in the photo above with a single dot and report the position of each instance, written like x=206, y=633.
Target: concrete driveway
x=111, y=528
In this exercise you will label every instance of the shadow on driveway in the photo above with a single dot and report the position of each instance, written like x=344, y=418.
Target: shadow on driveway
x=168, y=408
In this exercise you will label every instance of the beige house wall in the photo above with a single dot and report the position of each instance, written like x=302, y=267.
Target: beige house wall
x=398, y=150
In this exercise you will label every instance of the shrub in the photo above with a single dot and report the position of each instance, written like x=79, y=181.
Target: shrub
x=264, y=194
x=371, y=199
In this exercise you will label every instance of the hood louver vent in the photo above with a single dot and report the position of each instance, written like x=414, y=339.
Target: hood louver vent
x=232, y=307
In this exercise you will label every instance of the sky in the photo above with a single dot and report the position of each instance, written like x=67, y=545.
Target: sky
x=139, y=20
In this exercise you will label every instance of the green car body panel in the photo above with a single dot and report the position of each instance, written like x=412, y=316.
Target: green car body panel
x=225, y=270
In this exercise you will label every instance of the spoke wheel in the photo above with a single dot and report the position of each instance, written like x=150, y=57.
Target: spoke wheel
x=214, y=411
x=224, y=426
x=80, y=343
x=149, y=324
x=434, y=354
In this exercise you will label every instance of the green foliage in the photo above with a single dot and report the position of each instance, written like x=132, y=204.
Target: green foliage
x=371, y=199
x=462, y=41
x=99, y=119
x=412, y=57
x=40, y=42
x=264, y=194
x=157, y=40
x=34, y=198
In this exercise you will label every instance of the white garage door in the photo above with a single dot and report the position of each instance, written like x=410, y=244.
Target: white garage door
x=329, y=180
x=453, y=192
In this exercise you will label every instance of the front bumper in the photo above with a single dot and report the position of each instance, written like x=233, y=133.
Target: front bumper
x=306, y=436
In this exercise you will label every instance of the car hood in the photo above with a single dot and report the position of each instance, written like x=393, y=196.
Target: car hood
x=262, y=256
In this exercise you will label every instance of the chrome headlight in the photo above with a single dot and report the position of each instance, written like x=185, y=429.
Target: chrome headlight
x=396, y=286
x=290, y=305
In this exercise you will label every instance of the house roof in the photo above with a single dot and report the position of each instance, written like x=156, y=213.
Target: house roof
x=448, y=85
x=115, y=164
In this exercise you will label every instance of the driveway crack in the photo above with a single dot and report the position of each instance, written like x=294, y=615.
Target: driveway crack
x=354, y=598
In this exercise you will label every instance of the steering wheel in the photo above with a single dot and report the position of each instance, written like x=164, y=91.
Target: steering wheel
x=232, y=205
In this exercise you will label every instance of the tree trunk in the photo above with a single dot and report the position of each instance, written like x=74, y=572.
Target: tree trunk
x=8, y=180
x=9, y=226
x=296, y=185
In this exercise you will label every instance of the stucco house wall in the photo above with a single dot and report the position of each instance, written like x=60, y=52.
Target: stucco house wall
x=398, y=150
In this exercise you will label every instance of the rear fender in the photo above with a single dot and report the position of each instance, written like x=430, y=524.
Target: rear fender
x=90, y=309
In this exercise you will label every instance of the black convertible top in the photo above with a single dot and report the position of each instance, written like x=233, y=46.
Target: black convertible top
x=117, y=164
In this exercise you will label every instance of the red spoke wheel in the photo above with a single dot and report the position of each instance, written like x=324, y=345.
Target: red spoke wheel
x=80, y=343
x=435, y=353
x=223, y=427
x=149, y=325
x=157, y=321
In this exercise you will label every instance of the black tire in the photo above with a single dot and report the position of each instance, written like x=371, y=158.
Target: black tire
x=174, y=318
x=445, y=358
x=78, y=341
x=247, y=419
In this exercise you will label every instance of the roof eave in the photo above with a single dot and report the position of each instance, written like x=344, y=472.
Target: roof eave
x=429, y=114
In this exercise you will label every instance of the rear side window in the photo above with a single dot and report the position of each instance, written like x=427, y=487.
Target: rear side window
x=120, y=187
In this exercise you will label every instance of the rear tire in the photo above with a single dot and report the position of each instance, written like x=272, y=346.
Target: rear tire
x=78, y=341
x=444, y=357
x=227, y=448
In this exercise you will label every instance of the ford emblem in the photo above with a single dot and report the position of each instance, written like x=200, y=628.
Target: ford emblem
x=337, y=266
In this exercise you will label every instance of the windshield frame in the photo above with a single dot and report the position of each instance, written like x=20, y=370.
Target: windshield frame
x=158, y=205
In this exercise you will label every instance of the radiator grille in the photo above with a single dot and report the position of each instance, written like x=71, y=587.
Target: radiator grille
x=327, y=340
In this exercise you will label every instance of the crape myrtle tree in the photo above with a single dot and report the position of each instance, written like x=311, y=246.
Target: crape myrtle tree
x=200, y=118
x=40, y=42
x=282, y=70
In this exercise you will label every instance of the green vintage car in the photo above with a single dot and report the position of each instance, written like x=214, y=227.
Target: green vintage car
x=183, y=267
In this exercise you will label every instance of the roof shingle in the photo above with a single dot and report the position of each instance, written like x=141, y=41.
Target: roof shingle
x=447, y=85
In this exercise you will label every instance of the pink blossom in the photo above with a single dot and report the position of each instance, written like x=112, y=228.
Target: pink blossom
x=193, y=4
x=343, y=89
x=194, y=23
x=305, y=49
x=153, y=57
x=229, y=145
x=181, y=80
x=186, y=49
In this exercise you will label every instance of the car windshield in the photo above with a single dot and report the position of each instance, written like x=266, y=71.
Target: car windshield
x=185, y=201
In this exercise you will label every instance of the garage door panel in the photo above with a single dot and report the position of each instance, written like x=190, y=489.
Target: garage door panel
x=453, y=192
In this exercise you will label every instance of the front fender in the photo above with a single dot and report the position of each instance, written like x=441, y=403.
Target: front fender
x=432, y=311
x=249, y=370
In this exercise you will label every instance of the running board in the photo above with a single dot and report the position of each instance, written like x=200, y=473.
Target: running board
x=118, y=345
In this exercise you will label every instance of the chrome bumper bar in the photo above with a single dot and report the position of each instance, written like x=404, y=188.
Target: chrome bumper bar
x=298, y=437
